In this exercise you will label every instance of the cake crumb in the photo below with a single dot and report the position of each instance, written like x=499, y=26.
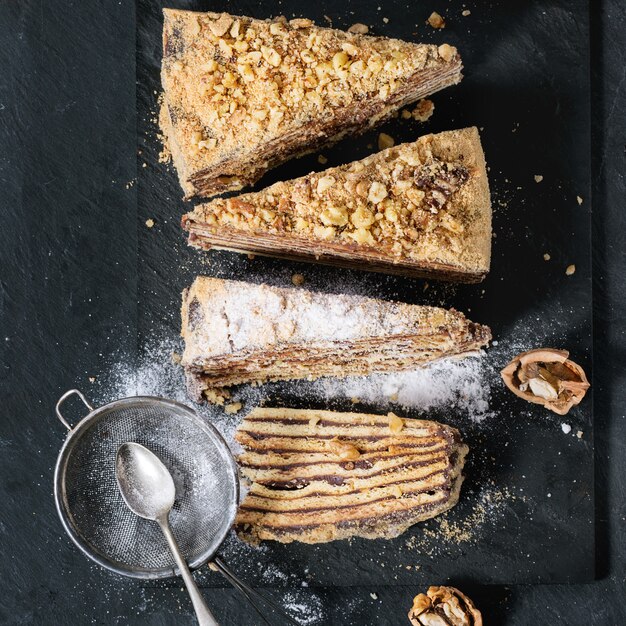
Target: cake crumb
x=92, y=379
x=297, y=279
x=321, y=159
x=386, y=20
x=570, y=269
x=566, y=428
x=374, y=596
x=436, y=21
x=546, y=256
x=233, y=407
x=251, y=256
x=149, y=222
x=144, y=164
x=538, y=178
x=406, y=114
x=579, y=434
x=579, y=200
x=359, y=29
x=423, y=110
x=385, y=141
x=466, y=12
x=355, y=400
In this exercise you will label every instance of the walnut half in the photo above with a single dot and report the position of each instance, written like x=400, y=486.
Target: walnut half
x=444, y=606
x=546, y=376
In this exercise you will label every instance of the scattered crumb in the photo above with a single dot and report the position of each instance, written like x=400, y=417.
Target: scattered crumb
x=329, y=20
x=359, y=29
x=251, y=256
x=233, y=407
x=386, y=20
x=92, y=379
x=321, y=159
x=570, y=269
x=546, y=256
x=538, y=178
x=579, y=200
x=406, y=114
x=393, y=397
x=436, y=21
x=216, y=396
x=579, y=434
x=385, y=141
x=423, y=110
x=144, y=165
x=566, y=428
x=355, y=400
x=370, y=146
x=297, y=279
x=466, y=12
x=150, y=223
x=176, y=358
x=374, y=596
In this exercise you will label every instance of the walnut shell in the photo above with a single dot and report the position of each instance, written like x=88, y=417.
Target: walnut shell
x=546, y=376
x=444, y=606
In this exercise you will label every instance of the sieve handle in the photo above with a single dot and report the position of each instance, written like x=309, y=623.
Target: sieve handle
x=63, y=398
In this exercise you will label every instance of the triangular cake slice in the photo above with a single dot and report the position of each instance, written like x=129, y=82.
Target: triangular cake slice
x=317, y=476
x=421, y=209
x=237, y=332
x=242, y=95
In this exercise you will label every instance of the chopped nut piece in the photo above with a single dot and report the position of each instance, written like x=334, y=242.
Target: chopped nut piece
x=314, y=420
x=343, y=449
x=546, y=257
x=92, y=379
x=423, y=111
x=546, y=376
x=579, y=200
x=396, y=491
x=466, y=12
x=233, y=408
x=377, y=192
x=324, y=183
x=300, y=23
x=359, y=29
x=570, y=269
x=406, y=114
x=350, y=49
x=430, y=608
x=396, y=424
x=385, y=141
x=220, y=26
x=579, y=434
x=538, y=178
x=149, y=222
x=446, y=52
x=362, y=218
x=334, y=216
x=436, y=21
x=297, y=279
x=340, y=59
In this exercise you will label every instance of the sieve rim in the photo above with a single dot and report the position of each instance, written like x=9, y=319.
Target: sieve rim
x=74, y=433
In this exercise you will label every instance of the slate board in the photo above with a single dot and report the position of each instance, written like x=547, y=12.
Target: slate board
x=528, y=92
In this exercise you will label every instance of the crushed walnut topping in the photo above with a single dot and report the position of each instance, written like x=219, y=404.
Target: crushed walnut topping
x=343, y=449
x=436, y=21
x=391, y=200
x=444, y=605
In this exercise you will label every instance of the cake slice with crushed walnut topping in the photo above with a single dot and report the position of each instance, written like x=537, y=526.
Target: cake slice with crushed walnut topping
x=243, y=95
x=421, y=209
x=237, y=332
x=318, y=476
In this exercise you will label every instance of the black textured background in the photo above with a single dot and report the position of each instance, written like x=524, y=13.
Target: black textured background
x=55, y=308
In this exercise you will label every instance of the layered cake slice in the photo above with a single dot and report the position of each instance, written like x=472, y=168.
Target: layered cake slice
x=421, y=209
x=317, y=476
x=241, y=96
x=237, y=332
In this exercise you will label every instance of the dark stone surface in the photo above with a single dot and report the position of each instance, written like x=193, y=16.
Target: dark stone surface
x=55, y=306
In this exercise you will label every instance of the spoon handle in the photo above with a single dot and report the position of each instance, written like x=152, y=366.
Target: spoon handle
x=204, y=615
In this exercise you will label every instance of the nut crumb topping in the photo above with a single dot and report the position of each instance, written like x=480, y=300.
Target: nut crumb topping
x=423, y=110
x=436, y=21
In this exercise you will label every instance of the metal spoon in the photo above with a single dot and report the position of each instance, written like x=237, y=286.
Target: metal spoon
x=148, y=490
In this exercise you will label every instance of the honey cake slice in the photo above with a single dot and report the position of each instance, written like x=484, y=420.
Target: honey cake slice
x=421, y=209
x=237, y=332
x=319, y=476
x=241, y=95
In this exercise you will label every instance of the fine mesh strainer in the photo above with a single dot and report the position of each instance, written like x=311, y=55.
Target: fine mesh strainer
x=205, y=475
x=91, y=506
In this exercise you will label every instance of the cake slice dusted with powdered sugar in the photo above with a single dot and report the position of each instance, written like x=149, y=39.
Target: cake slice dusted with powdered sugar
x=237, y=332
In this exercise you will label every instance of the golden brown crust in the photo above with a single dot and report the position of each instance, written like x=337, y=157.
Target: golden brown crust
x=238, y=332
x=319, y=476
x=243, y=95
x=419, y=208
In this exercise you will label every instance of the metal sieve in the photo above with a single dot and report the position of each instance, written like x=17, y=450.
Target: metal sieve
x=91, y=506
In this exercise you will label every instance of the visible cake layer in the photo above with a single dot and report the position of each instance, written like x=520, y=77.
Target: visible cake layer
x=419, y=208
x=241, y=96
x=237, y=332
x=317, y=476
